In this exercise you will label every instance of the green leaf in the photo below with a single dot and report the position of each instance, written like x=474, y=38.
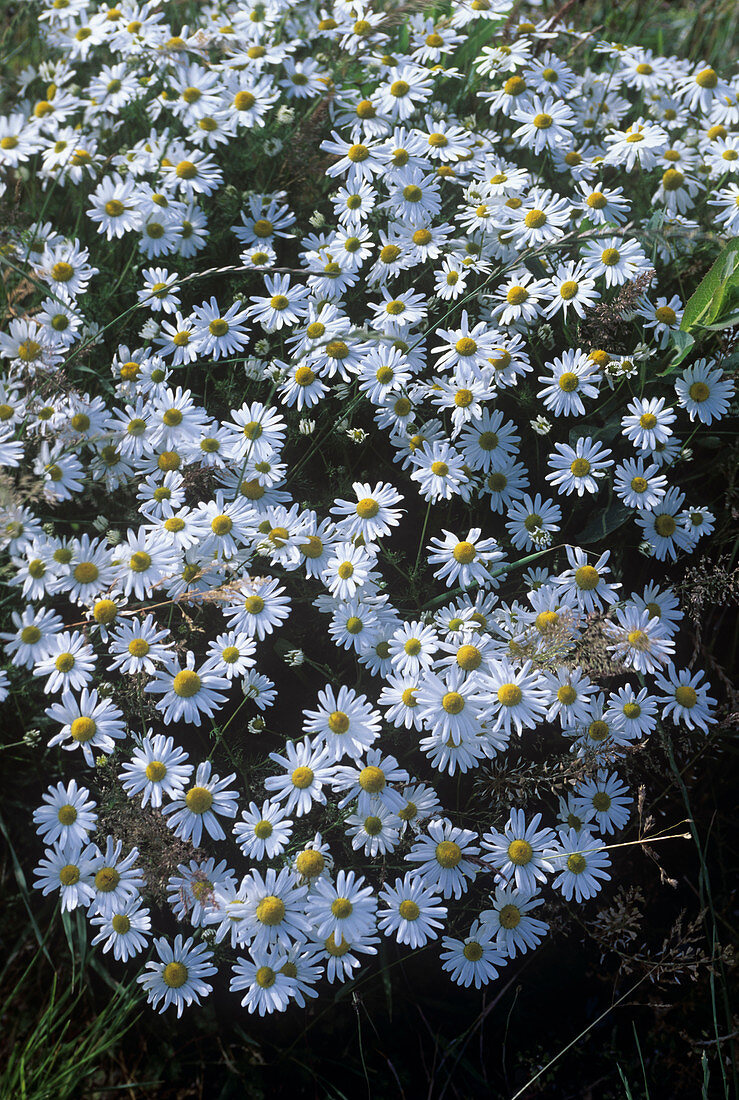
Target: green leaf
x=682, y=343
x=604, y=523
x=704, y=305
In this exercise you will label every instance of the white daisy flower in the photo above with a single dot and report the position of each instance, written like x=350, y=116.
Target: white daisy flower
x=177, y=978
x=473, y=960
x=90, y=723
x=115, y=879
x=307, y=770
x=579, y=468
x=66, y=816
x=157, y=767
x=411, y=912
x=580, y=862
x=686, y=699
x=522, y=853
x=605, y=799
x=187, y=695
x=445, y=856
x=510, y=919
x=268, y=983
x=704, y=392
x=263, y=834
x=197, y=808
x=68, y=868
x=466, y=561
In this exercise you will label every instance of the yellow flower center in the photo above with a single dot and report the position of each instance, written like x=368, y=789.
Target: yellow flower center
x=509, y=916
x=140, y=561
x=665, y=526
x=83, y=729
x=598, y=730
x=174, y=975
x=341, y=908
x=186, y=170
x=372, y=779
x=62, y=272
x=302, y=778
x=156, y=771
x=67, y=815
x=520, y=852
x=567, y=695
x=509, y=695
x=221, y=525
x=580, y=467
x=586, y=578
x=453, y=702
x=535, y=219
x=198, y=800
x=464, y=552
x=69, y=875
x=86, y=572
x=271, y=910
x=672, y=180
x=337, y=349
x=186, y=684
x=448, y=854
x=546, y=621
x=310, y=863
x=699, y=392
x=338, y=722
x=686, y=696
x=706, y=78
x=576, y=863
x=469, y=657
x=265, y=977
x=517, y=295
x=357, y=153
x=367, y=508
x=107, y=879
x=263, y=829
x=334, y=948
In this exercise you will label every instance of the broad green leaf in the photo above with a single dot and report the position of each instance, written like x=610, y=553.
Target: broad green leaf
x=705, y=303
x=682, y=343
x=604, y=523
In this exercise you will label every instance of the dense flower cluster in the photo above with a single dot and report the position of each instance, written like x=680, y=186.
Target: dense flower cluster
x=473, y=212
